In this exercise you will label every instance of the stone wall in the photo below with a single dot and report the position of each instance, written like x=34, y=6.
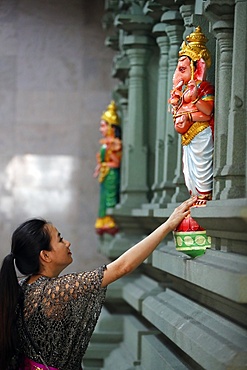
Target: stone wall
x=55, y=81
x=177, y=312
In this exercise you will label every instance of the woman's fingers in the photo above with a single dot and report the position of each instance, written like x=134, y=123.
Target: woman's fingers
x=188, y=203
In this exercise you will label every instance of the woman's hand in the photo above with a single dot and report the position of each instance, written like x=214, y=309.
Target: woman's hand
x=134, y=256
x=180, y=213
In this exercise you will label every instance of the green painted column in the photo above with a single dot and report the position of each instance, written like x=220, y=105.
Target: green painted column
x=134, y=183
x=221, y=19
x=121, y=96
x=174, y=29
x=137, y=44
x=234, y=171
x=163, y=43
x=181, y=192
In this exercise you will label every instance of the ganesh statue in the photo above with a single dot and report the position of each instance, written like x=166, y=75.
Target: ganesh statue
x=108, y=169
x=192, y=104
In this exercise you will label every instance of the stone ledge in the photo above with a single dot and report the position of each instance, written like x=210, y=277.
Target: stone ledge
x=138, y=289
x=222, y=273
x=108, y=326
x=113, y=247
x=141, y=349
x=128, y=354
x=107, y=335
x=156, y=355
x=210, y=340
x=115, y=290
x=119, y=359
x=226, y=215
x=218, y=215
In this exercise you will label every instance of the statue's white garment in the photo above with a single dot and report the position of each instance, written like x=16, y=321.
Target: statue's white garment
x=198, y=163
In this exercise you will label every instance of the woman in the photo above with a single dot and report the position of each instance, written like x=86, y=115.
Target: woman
x=47, y=321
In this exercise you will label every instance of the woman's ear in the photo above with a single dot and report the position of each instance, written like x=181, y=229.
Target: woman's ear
x=44, y=255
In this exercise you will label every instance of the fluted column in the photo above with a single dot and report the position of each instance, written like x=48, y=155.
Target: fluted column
x=181, y=191
x=175, y=34
x=221, y=19
x=134, y=183
x=234, y=171
x=121, y=96
x=136, y=44
x=163, y=42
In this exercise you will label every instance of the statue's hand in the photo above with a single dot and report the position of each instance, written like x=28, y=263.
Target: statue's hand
x=175, y=97
x=183, y=123
x=193, y=90
x=96, y=171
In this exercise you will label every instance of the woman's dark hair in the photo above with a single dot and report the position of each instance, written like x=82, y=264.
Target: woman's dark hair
x=28, y=240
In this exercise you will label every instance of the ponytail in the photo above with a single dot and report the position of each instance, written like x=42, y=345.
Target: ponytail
x=9, y=295
x=28, y=240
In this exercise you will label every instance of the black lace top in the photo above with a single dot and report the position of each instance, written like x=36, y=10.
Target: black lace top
x=61, y=314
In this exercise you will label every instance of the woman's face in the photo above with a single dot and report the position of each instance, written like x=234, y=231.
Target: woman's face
x=60, y=253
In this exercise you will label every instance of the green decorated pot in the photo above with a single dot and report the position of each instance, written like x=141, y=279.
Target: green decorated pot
x=192, y=243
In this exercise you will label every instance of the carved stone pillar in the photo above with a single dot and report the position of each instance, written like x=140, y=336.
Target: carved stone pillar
x=221, y=18
x=163, y=42
x=137, y=45
x=120, y=94
x=174, y=29
x=234, y=171
x=134, y=186
x=121, y=97
x=181, y=191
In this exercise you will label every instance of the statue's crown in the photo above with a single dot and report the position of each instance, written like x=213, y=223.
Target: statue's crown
x=110, y=115
x=195, y=47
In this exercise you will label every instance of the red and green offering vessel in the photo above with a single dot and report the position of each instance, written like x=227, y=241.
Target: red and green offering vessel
x=190, y=238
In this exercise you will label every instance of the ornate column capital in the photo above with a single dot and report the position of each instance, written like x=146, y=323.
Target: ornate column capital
x=111, y=9
x=135, y=23
x=187, y=11
x=174, y=26
x=220, y=14
x=121, y=66
x=137, y=29
x=159, y=31
x=138, y=42
x=155, y=8
x=112, y=42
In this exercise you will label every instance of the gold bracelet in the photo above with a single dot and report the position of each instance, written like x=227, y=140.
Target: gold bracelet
x=196, y=100
x=185, y=112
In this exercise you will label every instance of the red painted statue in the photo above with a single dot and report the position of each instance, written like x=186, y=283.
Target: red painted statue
x=192, y=102
x=108, y=169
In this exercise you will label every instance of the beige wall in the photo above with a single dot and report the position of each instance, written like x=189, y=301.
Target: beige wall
x=54, y=84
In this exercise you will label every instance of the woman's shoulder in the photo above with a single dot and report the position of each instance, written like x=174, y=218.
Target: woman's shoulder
x=83, y=281
x=84, y=277
x=75, y=286
x=73, y=283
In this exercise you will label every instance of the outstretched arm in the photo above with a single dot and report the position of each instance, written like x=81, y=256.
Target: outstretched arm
x=133, y=257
